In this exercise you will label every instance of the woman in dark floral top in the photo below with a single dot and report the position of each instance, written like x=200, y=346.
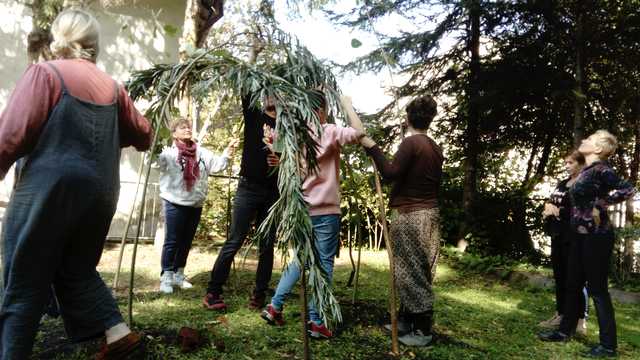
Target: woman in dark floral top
x=596, y=188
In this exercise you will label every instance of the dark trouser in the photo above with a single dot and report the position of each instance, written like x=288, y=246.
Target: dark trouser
x=252, y=202
x=589, y=261
x=560, y=249
x=54, y=238
x=422, y=321
x=327, y=232
x=181, y=223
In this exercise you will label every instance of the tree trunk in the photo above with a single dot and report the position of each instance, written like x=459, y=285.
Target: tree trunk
x=39, y=39
x=544, y=158
x=43, y=12
x=579, y=103
x=200, y=15
x=628, y=253
x=532, y=157
x=471, y=132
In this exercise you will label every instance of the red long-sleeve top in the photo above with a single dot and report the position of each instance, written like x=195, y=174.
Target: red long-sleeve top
x=38, y=92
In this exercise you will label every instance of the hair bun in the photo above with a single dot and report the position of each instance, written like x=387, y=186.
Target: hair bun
x=75, y=35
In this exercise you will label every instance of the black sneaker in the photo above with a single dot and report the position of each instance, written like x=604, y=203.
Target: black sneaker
x=600, y=351
x=553, y=336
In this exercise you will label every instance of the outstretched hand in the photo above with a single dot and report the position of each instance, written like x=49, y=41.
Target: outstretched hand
x=367, y=142
x=550, y=210
x=352, y=117
x=233, y=145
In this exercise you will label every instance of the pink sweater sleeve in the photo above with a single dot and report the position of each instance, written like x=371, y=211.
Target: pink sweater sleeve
x=22, y=120
x=342, y=135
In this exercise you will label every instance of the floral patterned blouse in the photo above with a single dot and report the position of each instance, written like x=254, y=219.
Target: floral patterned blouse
x=596, y=188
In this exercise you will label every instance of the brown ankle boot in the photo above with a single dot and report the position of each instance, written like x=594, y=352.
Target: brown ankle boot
x=129, y=347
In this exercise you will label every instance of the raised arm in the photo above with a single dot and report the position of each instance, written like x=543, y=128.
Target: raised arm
x=135, y=129
x=395, y=168
x=220, y=162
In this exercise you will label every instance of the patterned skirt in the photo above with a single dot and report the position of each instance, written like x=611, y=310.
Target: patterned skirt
x=415, y=240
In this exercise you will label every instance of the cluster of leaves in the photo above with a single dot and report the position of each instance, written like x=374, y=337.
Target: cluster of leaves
x=294, y=84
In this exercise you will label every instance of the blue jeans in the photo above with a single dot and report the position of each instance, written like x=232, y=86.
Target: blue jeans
x=181, y=224
x=326, y=229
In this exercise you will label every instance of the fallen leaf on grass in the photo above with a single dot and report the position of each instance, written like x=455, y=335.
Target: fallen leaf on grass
x=223, y=320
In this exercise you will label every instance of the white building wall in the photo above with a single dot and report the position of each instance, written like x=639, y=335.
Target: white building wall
x=134, y=35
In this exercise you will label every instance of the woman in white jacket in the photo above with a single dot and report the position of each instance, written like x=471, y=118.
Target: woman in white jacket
x=184, y=168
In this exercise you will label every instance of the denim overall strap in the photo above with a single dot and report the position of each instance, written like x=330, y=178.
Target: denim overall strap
x=62, y=84
x=56, y=224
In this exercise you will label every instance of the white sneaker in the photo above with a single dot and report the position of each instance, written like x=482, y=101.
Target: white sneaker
x=552, y=323
x=581, y=329
x=166, y=282
x=416, y=338
x=179, y=280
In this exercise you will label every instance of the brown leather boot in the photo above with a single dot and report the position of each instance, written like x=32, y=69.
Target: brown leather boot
x=129, y=347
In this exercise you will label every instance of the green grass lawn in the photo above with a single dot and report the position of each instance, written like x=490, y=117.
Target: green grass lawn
x=477, y=317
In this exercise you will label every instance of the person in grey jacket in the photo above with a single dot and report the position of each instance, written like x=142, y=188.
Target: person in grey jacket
x=184, y=169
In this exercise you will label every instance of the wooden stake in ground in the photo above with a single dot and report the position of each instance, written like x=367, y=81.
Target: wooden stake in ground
x=164, y=115
x=392, y=282
x=355, y=286
x=137, y=238
x=123, y=240
x=305, y=310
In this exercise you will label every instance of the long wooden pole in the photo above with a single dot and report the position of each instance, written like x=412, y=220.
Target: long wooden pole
x=392, y=282
x=359, y=244
x=303, y=292
x=164, y=114
x=137, y=238
x=123, y=241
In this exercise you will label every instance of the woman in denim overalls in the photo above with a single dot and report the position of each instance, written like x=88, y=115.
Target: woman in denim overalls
x=66, y=193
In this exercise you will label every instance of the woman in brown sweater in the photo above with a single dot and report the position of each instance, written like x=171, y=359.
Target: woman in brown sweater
x=415, y=170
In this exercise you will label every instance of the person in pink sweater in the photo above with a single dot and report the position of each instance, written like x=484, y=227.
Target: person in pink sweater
x=322, y=193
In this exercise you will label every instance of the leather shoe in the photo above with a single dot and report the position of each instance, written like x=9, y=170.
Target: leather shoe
x=553, y=336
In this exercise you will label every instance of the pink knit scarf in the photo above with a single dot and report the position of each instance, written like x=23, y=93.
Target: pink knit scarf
x=187, y=158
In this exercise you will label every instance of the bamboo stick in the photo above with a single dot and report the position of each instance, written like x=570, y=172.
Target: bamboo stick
x=359, y=244
x=392, y=283
x=305, y=310
x=164, y=114
x=123, y=241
